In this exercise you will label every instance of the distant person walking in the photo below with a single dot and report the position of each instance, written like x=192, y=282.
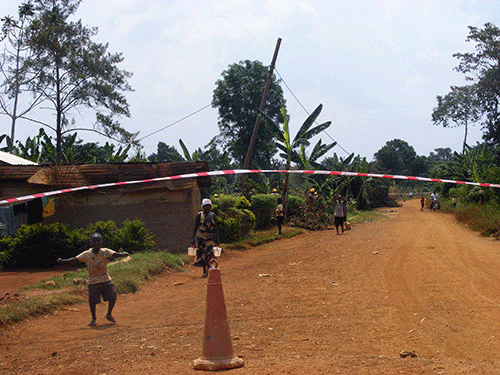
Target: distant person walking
x=206, y=235
x=434, y=201
x=280, y=214
x=344, y=209
x=454, y=201
x=422, y=203
x=339, y=213
x=100, y=284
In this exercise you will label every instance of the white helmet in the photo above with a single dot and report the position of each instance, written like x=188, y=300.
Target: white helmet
x=206, y=201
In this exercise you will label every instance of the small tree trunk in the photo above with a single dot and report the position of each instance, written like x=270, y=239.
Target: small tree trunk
x=58, y=119
x=465, y=138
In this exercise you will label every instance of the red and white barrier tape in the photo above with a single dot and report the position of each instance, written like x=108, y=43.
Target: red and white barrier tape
x=241, y=171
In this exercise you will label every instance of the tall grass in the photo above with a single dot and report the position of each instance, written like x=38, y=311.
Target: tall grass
x=480, y=218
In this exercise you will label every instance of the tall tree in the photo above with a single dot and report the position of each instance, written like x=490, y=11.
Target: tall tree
x=76, y=72
x=441, y=155
x=237, y=97
x=483, y=68
x=16, y=76
x=396, y=157
x=460, y=107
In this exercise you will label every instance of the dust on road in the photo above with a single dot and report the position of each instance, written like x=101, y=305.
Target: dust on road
x=318, y=303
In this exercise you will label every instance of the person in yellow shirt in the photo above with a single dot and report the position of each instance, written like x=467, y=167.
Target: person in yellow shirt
x=99, y=283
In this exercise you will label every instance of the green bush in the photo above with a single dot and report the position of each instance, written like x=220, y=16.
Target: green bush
x=263, y=206
x=223, y=203
x=247, y=222
x=295, y=207
x=234, y=219
x=229, y=229
x=6, y=244
x=133, y=237
x=107, y=229
x=39, y=245
x=242, y=203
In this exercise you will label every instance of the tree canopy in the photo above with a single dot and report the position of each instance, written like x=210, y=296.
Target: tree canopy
x=460, y=107
x=73, y=71
x=397, y=157
x=482, y=67
x=237, y=97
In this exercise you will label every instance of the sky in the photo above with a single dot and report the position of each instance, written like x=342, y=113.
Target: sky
x=376, y=66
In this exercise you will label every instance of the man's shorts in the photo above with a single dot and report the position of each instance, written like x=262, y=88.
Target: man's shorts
x=339, y=221
x=107, y=290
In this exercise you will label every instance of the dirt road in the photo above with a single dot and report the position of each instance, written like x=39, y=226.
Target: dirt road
x=315, y=304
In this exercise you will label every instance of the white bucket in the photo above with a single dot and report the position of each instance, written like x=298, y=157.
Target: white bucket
x=192, y=251
x=217, y=251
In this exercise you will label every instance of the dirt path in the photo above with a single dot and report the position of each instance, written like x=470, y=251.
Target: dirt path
x=315, y=304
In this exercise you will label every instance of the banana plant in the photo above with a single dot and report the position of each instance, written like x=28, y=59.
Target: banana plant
x=295, y=150
x=188, y=156
x=8, y=140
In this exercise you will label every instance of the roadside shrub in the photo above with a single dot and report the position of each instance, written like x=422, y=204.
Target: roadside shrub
x=234, y=219
x=40, y=245
x=80, y=238
x=6, y=244
x=229, y=229
x=263, y=206
x=484, y=219
x=295, y=206
x=242, y=203
x=108, y=231
x=133, y=237
x=247, y=222
x=223, y=203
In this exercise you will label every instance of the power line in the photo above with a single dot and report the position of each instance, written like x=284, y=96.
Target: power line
x=306, y=111
x=208, y=105
x=175, y=122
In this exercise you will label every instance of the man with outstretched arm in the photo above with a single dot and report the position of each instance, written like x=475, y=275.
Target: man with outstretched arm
x=100, y=284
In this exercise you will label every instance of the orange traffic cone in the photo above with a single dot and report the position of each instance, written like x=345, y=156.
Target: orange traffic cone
x=217, y=353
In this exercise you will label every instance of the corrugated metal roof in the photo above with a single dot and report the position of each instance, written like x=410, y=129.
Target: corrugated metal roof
x=6, y=158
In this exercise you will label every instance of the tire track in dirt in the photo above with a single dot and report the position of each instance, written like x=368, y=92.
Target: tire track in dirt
x=447, y=279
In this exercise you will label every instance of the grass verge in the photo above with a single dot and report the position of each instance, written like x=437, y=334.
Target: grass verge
x=13, y=312
x=128, y=276
x=258, y=238
x=365, y=216
x=484, y=219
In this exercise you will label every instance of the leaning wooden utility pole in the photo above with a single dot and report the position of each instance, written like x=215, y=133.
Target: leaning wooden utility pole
x=255, y=131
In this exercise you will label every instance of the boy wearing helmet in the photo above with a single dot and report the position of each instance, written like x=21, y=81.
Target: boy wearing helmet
x=206, y=233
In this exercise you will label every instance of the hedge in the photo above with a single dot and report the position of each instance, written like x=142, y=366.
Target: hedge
x=40, y=245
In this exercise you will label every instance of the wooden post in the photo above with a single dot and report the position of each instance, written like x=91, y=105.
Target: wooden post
x=248, y=156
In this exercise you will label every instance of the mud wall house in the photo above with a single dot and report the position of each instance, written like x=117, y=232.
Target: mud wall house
x=168, y=208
